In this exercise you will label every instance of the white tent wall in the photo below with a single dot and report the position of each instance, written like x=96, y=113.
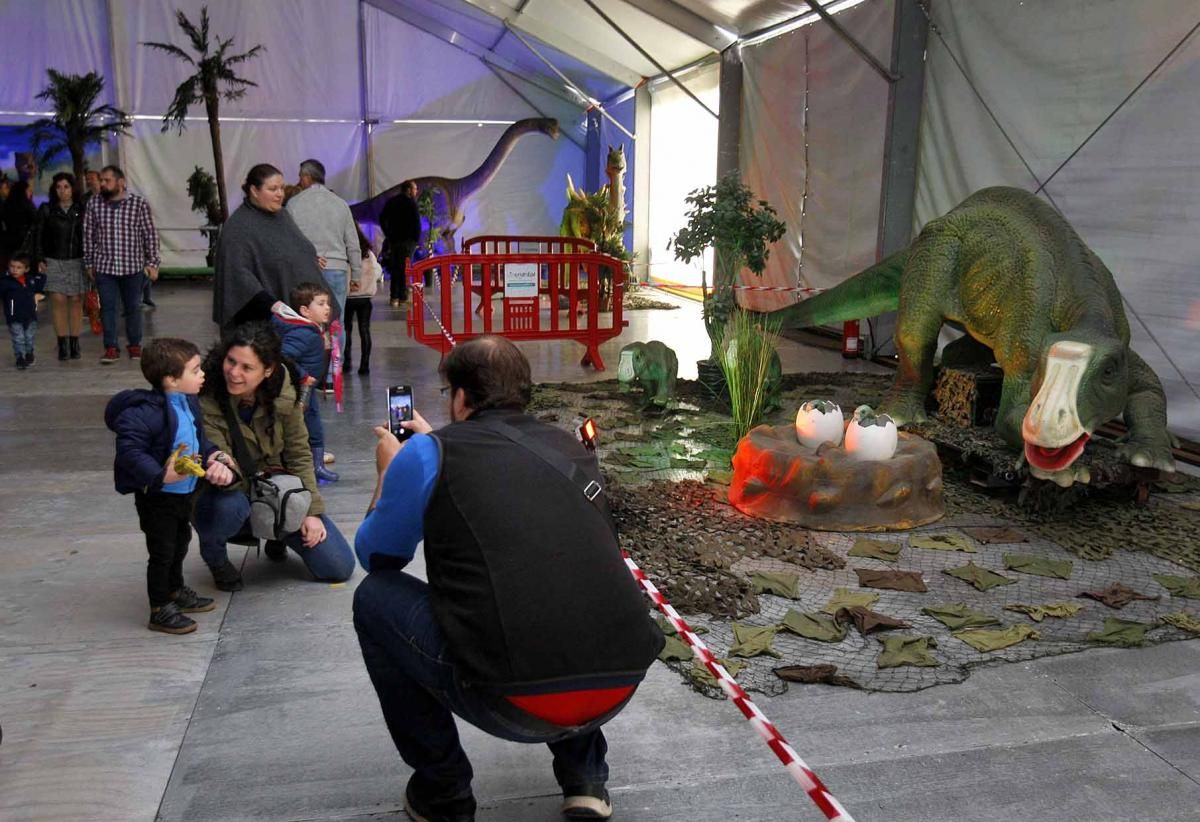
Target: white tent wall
x=683, y=157
x=840, y=134
x=309, y=67
x=158, y=165
x=69, y=36
x=1051, y=73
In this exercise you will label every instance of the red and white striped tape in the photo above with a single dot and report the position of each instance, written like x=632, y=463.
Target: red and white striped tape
x=421, y=287
x=803, y=774
x=796, y=289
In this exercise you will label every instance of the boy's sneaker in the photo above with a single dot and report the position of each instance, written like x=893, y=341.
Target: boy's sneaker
x=21, y=364
x=227, y=577
x=189, y=602
x=111, y=355
x=586, y=802
x=276, y=551
x=168, y=620
x=29, y=359
x=135, y=352
x=456, y=810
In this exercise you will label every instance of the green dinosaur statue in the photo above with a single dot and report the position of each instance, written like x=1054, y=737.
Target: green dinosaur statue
x=652, y=365
x=599, y=216
x=1009, y=270
x=450, y=195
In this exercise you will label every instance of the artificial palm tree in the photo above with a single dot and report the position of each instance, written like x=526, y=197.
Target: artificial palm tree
x=213, y=81
x=77, y=122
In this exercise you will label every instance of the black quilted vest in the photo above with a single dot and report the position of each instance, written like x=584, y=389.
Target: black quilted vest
x=526, y=579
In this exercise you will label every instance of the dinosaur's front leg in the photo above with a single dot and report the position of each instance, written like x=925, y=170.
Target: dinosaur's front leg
x=1150, y=443
x=916, y=342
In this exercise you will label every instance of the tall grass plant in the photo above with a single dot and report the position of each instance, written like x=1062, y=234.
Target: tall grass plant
x=747, y=348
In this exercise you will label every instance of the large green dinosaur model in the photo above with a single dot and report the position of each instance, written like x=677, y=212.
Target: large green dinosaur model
x=450, y=195
x=1010, y=271
x=599, y=216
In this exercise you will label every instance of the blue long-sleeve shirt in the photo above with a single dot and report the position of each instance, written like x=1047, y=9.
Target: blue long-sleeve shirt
x=396, y=526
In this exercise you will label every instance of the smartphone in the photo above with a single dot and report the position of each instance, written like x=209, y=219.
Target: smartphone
x=400, y=409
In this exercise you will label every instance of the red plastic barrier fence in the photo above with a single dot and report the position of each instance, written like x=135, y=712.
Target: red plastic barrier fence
x=558, y=300
x=515, y=244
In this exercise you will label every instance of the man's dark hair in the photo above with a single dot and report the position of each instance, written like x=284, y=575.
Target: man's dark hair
x=116, y=171
x=20, y=257
x=166, y=357
x=306, y=292
x=491, y=371
x=315, y=169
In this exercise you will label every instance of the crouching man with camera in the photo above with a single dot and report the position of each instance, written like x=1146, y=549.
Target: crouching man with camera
x=530, y=627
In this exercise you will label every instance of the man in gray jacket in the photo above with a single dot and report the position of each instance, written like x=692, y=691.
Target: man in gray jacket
x=325, y=219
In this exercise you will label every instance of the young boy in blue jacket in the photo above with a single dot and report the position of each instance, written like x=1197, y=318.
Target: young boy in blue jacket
x=21, y=291
x=150, y=426
x=302, y=327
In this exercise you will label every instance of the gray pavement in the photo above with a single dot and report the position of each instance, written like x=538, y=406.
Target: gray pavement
x=266, y=711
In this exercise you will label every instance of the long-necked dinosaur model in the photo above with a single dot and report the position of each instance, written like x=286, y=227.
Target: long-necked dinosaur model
x=1010, y=271
x=450, y=195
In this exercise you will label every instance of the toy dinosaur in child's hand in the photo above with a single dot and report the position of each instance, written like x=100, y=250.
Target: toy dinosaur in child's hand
x=186, y=465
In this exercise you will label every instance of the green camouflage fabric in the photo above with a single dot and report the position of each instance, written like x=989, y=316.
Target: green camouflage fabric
x=1059, y=610
x=1183, y=620
x=910, y=581
x=876, y=549
x=845, y=598
x=779, y=583
x=675, y=649
x=1188, y=587
x=980, y=578
x=868, y=621
x=820, y=627
x=752, y=640
x=993, y=639
x=956, y=616
x=1121, y=633
x=942, y=542
x=702, y=677
x=907, y=650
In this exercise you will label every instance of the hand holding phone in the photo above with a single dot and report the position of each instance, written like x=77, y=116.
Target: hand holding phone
x=400, y=409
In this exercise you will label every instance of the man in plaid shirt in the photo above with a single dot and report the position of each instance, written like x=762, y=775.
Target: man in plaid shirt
x=120, y=250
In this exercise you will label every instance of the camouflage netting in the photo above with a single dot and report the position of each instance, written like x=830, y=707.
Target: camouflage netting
x=665, y=474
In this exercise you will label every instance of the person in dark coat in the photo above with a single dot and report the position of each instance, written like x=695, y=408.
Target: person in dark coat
x=58, y=252
x=19, y=214
x=401, y=224
x=261, y=254
x=21, y=291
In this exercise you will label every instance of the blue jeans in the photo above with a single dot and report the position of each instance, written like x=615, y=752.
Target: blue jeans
x=339, y=283
x=420, y=690
x=221, y=515
x=22, y=337
x=312, y=421
x=128, y=290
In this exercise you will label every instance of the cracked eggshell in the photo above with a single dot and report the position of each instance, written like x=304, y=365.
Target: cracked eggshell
x=815, y=426
x=867, y=443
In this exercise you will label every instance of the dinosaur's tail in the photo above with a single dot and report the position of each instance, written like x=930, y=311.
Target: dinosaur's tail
x=869, y=293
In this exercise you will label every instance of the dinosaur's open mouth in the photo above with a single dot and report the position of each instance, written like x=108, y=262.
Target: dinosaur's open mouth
x=1055, y=459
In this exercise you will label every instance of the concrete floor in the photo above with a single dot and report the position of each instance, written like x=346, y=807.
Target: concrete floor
x=266, y=711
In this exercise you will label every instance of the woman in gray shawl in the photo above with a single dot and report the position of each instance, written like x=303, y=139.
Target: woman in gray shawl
x=261, y=254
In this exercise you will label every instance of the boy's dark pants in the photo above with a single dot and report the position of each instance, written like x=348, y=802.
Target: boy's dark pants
x=165, y=520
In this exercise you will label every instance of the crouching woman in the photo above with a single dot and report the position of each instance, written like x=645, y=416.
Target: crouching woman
x=254, y=383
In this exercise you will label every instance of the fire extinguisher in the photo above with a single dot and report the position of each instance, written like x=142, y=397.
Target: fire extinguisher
x=851, y=341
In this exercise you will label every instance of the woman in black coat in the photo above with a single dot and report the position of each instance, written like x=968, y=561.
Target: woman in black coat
x=58, y=250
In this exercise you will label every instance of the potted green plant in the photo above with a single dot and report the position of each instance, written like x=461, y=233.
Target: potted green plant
x=740, y=230
x=202, y=188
